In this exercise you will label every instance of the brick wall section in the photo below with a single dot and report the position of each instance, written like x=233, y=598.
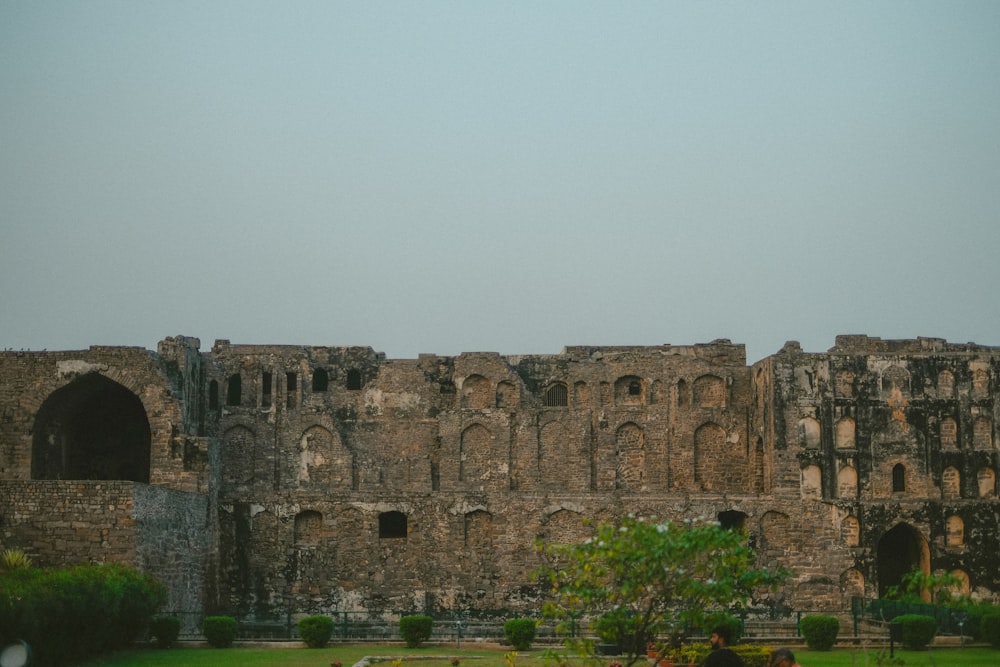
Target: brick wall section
x=77, y=522
x=173, y=541
x=890, y=391
x=293, y=475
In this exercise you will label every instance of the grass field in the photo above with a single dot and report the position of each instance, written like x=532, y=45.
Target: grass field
x=472, y=656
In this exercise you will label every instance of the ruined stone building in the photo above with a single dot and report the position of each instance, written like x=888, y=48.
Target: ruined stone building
x=261, y=479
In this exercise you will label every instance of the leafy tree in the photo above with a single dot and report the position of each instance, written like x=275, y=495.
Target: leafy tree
x=938, y=588
x=651, y=578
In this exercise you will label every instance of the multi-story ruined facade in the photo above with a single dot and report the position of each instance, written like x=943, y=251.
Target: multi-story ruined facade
x=258, y=479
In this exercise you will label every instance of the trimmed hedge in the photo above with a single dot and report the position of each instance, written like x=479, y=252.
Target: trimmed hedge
x=316, y=631
x=918, y=630
x=520, y=632
x=165, y=630
x=68, y=615
x=220, y=631
x=753, y=655
x=977, y=613
x=989, y=629
x=415, y=630
x=820, y=632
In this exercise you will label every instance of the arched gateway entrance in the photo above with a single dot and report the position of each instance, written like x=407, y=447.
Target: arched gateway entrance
x=900, y=550
x=93, y=428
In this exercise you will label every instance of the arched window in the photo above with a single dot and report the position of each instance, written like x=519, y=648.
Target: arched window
x=354, y=379
x=234, y=390
x=809, y=433
x=391, y=525
x=733, y=520
x=213, y=395
x=898, y=478
x=955, y=531
x=308, y=527
x=709, y=391
x=951, y=482
x=321, y=379
x=556, y=396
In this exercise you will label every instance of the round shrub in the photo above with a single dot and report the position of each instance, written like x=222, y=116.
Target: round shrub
x=918, y=630
x=164, y=630
x=220, y=631
x=989, y=629
x=316, y=630
x=820, y=632
x=415, y=630
x=520, y=632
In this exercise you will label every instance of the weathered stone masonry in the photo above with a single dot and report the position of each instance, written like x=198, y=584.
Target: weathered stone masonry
x=260, y=479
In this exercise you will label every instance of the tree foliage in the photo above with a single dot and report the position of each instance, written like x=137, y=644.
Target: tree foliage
x=651, y=579
x=943, y=588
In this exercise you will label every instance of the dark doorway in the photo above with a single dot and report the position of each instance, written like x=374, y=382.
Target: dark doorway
x=733, y=520
x=900, y=550
x=93, y=428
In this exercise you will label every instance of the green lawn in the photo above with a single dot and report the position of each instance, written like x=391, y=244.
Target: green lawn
x=489, y=657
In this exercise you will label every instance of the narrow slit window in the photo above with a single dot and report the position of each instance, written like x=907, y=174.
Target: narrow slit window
x=898, y=478
x=265, y=389
x=291, y=389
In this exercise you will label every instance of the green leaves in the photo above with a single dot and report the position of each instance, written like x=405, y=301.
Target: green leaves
x=640, y=578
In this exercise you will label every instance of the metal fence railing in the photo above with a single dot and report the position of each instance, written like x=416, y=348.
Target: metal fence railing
x=864, y=618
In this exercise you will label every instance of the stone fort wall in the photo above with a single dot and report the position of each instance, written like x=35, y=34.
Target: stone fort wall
x=334, y=479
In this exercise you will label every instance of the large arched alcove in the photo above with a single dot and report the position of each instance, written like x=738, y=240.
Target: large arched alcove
x=93, y=428
x=900, y=550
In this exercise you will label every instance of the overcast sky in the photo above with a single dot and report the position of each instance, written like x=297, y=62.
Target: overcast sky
x=506, y=176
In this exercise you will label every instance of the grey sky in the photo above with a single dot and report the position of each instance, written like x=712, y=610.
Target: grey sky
x=507, y=176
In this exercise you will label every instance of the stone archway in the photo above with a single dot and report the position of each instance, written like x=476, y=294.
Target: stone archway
x=93, y=428
x=900, y=550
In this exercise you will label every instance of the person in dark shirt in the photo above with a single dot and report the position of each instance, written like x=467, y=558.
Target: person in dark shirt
x=722, y=655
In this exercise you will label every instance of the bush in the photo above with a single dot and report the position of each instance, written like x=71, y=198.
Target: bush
x=415, y=630
x=977, y=613
x=316, y=630
x=520, y=632
x=820, y=632
x=753, y=655
x=989, y=629
x=165, y=630
x=918, y=630
x=93, y=609
x=617, y=628
x=220, y=631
